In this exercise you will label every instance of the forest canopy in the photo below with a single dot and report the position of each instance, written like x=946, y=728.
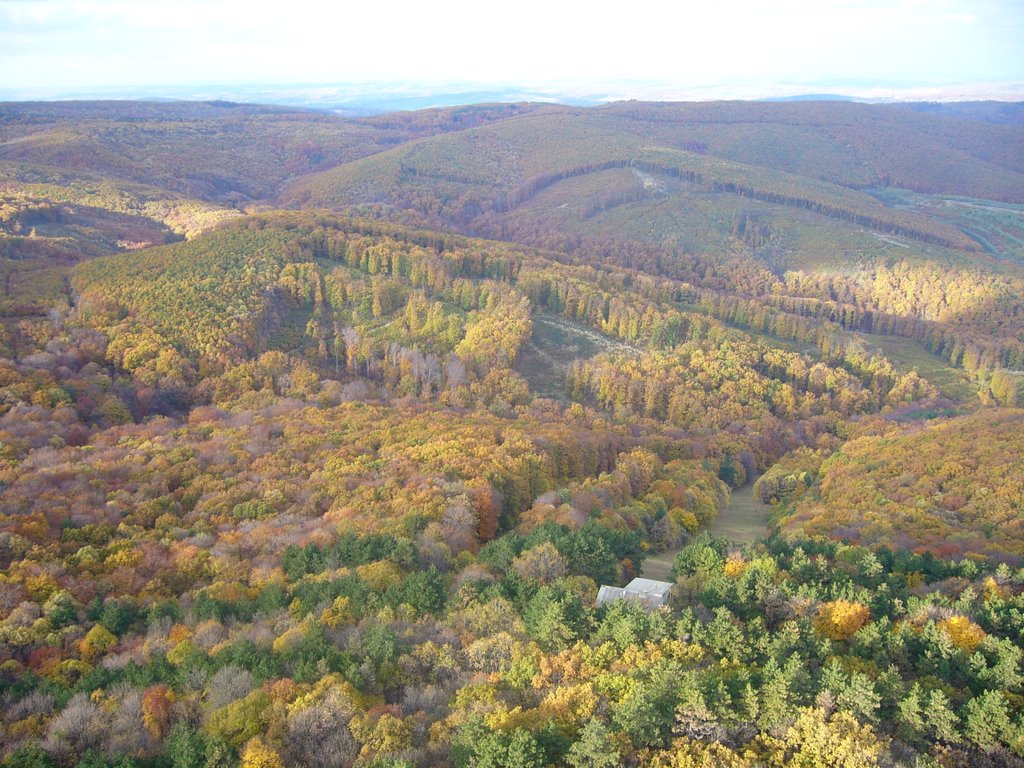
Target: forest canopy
x=337, y=486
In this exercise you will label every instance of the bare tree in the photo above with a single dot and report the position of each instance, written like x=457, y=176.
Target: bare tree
x=543, y=562
x=318, y=736
x=455, y=371
x=227, y=685
x=79, y=727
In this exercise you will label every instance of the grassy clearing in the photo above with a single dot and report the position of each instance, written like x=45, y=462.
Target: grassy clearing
x=659, y=566
x=996, y=225
x=290, y=333
x=554, y=345
x=743, y=520
x=908, y=355
x=779, y=343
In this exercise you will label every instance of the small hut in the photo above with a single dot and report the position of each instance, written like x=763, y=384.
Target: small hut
x=649, y=593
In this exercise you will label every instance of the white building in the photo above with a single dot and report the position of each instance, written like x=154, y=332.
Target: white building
x=649, y=593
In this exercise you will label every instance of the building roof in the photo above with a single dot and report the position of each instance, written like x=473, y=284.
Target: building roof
x=648, y=592
x=609, y=594
x=649, y=586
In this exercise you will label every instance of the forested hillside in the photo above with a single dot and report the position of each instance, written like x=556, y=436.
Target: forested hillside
x=318, y=436
x=952, y=487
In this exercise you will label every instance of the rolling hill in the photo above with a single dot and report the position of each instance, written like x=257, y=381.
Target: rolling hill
x=815, y=157
x=192, y=148
x=953, y=487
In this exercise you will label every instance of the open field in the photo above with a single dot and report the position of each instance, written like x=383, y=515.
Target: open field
x=743, y=520
x=908, y=354
x=996, y=225
x=554, y=345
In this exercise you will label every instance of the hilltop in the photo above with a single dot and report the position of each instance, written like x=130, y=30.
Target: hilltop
x=816, y=156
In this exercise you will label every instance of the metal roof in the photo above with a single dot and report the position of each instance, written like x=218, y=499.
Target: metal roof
x=648, y=592
x=609, y=594
x=649, y=586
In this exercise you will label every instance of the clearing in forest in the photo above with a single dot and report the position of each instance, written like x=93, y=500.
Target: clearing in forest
x=743, y=520
x=555, y=344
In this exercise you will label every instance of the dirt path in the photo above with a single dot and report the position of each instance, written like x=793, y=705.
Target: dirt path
x=743, y=520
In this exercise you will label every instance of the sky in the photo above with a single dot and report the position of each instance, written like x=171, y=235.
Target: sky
x=682, y=47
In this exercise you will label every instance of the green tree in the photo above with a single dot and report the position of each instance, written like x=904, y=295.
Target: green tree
x=593, y=748
x=31, y=755
x=987, y=721
x=553, y=620
x=186, y=747
x=646, y=714
x=942, y=722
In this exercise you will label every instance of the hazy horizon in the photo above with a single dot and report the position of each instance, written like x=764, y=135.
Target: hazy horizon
x=313, y=54
x=368, y=98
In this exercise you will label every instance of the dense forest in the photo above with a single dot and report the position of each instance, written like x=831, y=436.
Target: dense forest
x=319, y=436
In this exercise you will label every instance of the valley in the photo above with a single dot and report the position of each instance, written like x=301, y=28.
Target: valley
x=319, y=435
